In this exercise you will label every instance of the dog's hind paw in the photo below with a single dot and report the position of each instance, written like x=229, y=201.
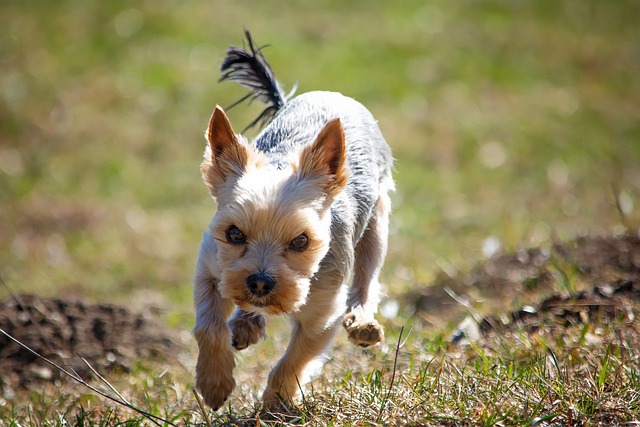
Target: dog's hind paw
x=362, y=333
x=246, y=330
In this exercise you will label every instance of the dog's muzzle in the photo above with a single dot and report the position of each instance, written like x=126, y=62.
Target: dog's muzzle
x=260, y=284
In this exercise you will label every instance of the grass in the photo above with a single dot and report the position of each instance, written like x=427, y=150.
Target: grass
x=512, y=121
x=512, y=379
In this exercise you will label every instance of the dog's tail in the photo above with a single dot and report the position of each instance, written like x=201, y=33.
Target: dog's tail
x=251, y=69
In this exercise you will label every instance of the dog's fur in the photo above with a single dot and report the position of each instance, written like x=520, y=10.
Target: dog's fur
x=301, y=229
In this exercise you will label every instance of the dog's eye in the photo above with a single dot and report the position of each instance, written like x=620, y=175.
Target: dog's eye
x=234, y=235
x=300, y=243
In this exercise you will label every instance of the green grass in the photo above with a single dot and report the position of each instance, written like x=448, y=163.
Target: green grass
x=517, y=120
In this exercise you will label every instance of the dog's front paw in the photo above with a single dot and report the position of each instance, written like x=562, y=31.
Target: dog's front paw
x=363, y=333
x=214, y=372
x=270, y=400
x=246, y=330
x=215, y=390
x=282, y=388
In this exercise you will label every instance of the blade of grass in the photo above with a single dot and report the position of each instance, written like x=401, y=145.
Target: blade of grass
x=393, y=376
x=203, y=410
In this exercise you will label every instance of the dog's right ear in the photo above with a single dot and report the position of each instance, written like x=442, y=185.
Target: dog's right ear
x=225, y=158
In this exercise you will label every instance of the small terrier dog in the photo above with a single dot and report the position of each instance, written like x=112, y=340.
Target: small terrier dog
x=300, y=229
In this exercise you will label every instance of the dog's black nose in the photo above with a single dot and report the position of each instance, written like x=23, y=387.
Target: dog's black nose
x=260, y=284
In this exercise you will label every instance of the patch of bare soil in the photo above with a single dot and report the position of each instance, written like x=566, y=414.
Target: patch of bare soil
x=607, y=269
x=615, y=301
x=108, y=337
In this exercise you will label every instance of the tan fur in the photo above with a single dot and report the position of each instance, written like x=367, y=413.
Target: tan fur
x=325, y=159
x=215, y=358
x=246, y=328
x=227, y=157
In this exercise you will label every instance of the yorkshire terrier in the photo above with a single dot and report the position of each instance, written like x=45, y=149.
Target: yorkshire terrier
x=300, y=229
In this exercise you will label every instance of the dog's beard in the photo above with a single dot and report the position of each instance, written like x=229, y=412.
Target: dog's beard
x=287, y=297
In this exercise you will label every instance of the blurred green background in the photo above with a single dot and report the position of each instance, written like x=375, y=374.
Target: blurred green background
x=513, y=123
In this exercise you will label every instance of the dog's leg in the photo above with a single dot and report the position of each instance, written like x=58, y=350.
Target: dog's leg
x=313, y=329
x=215, y=363
x=362, y=328
x=306, y=345
x=246, y=328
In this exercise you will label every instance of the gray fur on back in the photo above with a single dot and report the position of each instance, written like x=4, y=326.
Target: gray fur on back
x=369, y=159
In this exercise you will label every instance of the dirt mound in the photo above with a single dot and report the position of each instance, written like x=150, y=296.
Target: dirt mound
x=607, y=270
x=108, y=336
x=602, y=303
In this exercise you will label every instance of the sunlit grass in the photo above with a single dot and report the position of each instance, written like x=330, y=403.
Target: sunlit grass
x=514, y=121
x=581, y=374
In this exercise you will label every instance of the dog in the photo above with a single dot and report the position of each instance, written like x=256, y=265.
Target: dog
x=300, y=229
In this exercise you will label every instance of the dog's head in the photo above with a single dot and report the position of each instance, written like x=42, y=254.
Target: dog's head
x=272, y=226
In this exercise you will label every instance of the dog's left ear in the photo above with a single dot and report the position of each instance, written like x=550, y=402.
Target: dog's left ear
x=325, y=159
x=226, y=157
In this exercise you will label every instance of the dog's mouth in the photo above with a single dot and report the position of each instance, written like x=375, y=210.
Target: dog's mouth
x=259, y=303
x=276, y=302
x=263, y=305
x=253, y=304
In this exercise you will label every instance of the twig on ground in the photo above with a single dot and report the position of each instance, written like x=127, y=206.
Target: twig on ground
x=101, y=378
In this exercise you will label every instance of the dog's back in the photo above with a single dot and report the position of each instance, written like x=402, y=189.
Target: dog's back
x=368, y=155
x=294, y=123
x=298, y=122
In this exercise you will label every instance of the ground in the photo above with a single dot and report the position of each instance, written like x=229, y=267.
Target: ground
x=605, y=290
x=602, y=274
x=109, y=337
